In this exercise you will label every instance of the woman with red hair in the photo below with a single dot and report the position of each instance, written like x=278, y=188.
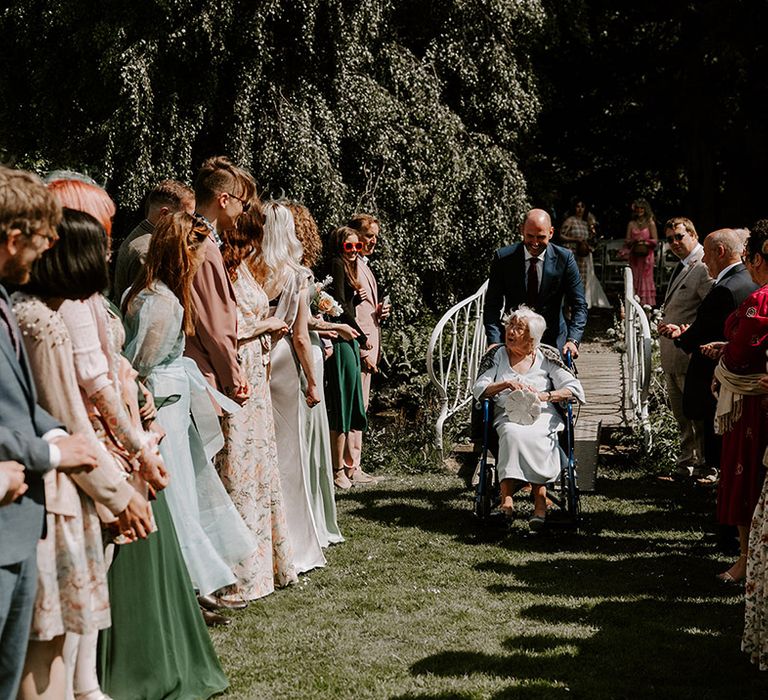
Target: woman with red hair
x=79, y=192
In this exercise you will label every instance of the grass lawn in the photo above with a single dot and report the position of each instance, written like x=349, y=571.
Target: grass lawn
x=421, y=602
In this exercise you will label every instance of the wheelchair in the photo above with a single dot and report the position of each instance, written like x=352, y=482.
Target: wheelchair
x=488, y=493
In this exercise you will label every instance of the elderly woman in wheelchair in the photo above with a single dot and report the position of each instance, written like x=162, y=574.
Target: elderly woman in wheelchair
x=525, y=381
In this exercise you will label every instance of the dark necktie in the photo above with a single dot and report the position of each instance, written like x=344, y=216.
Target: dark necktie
x=7, y=324
x=532, y=291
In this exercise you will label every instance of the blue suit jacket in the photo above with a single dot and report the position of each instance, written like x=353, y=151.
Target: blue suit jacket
x=560, y=282
x=22, y=423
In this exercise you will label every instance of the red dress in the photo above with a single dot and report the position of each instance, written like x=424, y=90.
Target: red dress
x=741, y=465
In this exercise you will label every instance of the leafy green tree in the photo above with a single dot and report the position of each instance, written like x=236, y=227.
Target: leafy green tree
x=413, y=110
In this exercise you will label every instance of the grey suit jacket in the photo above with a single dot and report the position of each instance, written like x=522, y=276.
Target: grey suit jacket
x=681, y=303
x=131, y=257
x=22, y=423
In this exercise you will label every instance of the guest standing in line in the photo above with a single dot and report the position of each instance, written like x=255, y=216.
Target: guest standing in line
x=369, y=314
x=292, y=380
x=733, y=284
x=344, y=388
x=222, y=193
x=28, y=434
x=689, y=285
x=248, y=463
x=316, y=433
x=741, y=415
x=72, y=596
x=639, y=245
x=167, y=197
x=159, y=313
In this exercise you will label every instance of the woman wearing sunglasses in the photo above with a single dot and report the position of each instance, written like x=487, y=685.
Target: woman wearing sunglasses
x=344, y=390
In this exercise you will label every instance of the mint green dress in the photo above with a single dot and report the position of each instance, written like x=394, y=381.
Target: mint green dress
x=158, y=646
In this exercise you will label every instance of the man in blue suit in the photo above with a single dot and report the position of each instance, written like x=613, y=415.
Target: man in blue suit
x=28, y=435
x=542, y=276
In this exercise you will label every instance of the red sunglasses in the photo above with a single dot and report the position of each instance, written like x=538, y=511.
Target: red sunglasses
x=349, y=246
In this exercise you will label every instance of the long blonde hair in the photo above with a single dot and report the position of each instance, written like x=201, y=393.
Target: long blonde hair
x=280, y=249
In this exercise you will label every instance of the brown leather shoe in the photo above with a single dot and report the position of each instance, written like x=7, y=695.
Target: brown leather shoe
x=213, y=619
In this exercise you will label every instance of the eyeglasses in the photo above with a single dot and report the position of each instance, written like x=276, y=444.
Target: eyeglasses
x=50, y=236
x=246, y=204
x=349, y=246
x=675, y=237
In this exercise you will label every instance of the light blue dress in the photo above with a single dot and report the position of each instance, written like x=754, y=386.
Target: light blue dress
x=212, y=535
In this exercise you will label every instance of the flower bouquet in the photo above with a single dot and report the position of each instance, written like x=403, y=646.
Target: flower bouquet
x=322, y=302
x=522, y=407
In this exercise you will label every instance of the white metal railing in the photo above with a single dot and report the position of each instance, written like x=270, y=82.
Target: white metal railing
x=455, y=349
x=637, y=341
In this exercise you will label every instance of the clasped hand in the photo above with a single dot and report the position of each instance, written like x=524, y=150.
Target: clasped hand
x=713, y=350
x=17, y=487
x=672, y=330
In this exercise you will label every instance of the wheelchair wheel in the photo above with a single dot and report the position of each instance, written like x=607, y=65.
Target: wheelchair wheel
x=570, y=493
x=485, y=492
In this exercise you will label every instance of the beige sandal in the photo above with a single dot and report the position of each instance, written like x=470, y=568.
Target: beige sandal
x=341, y=480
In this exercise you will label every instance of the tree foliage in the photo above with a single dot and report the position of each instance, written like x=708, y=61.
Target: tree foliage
x=662, y=99
x=412, y=109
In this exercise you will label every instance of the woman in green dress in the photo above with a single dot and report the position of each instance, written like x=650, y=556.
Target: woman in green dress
x=344, y=389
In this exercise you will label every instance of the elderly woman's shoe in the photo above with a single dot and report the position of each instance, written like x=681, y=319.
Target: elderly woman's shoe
x=537, y=523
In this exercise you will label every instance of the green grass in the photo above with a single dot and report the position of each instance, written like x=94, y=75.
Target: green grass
x=422, y=601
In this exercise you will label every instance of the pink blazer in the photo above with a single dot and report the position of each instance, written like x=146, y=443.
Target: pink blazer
x=214, y=345
x=365, y=313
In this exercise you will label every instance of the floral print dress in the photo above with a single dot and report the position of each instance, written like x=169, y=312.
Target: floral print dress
x=72, y=593
x=248, y=463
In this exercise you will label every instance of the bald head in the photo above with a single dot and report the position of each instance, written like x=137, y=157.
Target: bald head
x=537, y=231
x=723, y=248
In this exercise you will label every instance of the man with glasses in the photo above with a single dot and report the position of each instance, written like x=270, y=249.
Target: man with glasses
x=689, y=284
x=223, y=192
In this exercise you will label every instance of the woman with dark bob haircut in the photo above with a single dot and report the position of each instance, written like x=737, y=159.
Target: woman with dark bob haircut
x=72, y=592
x=76, y=267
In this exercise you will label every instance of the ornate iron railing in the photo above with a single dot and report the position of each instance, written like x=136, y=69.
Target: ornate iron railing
x=455, y=349
x=637, y=341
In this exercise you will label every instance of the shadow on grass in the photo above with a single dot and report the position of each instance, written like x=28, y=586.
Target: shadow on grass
x=449, y=512
x=660, y=656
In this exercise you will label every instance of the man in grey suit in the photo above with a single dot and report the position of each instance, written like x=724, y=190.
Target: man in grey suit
x=689, y=284
x=28, y=435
